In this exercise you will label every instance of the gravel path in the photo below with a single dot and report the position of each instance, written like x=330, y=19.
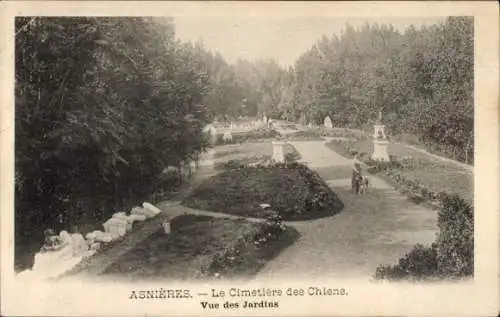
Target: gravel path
x=375, y=228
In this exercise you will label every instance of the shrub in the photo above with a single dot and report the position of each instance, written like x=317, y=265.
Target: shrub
x=420, y=263
x=249, y=136
x=456, y=237
x=450, y=257
x=291, y=154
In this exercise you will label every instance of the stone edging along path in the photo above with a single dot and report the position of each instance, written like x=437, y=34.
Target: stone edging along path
x=170, y=209
x=100, y=261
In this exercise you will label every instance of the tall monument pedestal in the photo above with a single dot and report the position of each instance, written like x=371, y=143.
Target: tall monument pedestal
x=380, y=150
x=278, y=151
x=380, y=144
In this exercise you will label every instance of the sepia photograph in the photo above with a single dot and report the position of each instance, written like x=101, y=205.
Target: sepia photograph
x=236, y=149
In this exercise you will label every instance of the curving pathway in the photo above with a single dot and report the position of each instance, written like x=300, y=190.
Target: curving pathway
x=375, y=228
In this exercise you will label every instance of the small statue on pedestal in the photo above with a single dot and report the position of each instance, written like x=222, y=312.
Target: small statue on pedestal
x=380, y=142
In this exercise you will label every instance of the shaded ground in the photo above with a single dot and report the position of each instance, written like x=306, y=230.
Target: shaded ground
x=375, y=228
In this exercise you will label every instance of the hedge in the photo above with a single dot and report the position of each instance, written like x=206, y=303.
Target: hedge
x=450, y=257
x=249, y=136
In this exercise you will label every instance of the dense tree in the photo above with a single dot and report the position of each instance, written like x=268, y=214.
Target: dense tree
x=421, y=79
x=103, y=105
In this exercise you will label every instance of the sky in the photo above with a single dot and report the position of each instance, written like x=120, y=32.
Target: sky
x=282, y=39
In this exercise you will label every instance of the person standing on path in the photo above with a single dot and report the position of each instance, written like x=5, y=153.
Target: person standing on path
x=357, y=176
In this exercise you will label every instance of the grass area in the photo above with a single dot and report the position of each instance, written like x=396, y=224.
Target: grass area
x=253, y=135
x=320, y=133
x=195, y=247
x=250, y=152
x=293, y=190
x=234, y=155
x=436, y=175
x=433, y=149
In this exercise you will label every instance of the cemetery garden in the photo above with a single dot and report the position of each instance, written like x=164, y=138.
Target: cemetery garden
x=130, y=181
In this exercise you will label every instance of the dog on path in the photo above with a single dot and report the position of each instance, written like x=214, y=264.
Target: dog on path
x=363, y=184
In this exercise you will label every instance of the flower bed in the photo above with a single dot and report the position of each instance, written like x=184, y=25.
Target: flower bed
x=203, y=247
x=292, y=189
x=320, y=133
x=291, y=155
x=260, y=134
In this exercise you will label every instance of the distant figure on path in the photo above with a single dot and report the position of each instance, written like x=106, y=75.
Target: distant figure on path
x=357, y=176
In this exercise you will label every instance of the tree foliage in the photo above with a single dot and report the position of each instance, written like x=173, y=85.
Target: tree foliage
x=422, y=79
x=103, y=105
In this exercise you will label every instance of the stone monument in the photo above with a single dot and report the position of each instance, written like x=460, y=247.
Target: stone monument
x=380, y=141
x=278, y=151
x=328, y=122
x=227, y=137
x=207, y=159
x=211, y=132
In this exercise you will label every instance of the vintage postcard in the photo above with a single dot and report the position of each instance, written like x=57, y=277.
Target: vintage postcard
x=249, y=158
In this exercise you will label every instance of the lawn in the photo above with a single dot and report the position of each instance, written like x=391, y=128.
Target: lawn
x=200, y=247
x=293, y=190
x=253, y=135
x=436, y=175
x=236, y=154
x=321, y=133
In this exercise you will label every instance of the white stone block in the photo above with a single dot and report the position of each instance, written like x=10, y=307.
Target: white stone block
x=124, y=217
x=328, y=123
x=142, y=212
x=227, y=137
x=278, y=151
x=166, y=226
x=104, y=237
x=115, y=227
x=79, y=244
x=119, y=215
x=54, y=263
x=138, y=217
x=95, y=246
x=153, y=209
x=90, y=236
x=65, y=237
x=136, y=211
